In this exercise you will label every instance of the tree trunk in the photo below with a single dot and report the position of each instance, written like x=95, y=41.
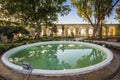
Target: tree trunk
x=45, y=31
x=94, y=32
x=100, y=34
x=62, y=31
x=38, y=29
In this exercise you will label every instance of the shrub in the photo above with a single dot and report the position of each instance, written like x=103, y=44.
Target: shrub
x=5, y=47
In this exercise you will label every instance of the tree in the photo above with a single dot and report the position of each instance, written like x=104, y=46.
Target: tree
x=5, y=19
x=54, y=29
x=36, y=12
x=94, y=12
x=9, y=31
x=6, y=31
x=118, y=12
x=118, y=17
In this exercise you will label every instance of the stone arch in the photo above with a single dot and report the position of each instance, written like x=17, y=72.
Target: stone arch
x=112, y=31
x=83, y=31
x=59, y=33
x=69, y=31
x=90, y=32
x=72, y=31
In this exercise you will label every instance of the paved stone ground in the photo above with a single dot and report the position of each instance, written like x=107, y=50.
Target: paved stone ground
x=117, y=77
x=101, y=74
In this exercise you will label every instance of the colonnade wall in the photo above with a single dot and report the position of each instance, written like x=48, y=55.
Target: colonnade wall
x=80, y=30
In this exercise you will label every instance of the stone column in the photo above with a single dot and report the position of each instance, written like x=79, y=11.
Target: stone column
x=87, y=31
x=118, y=28
x=77, y=30
x=106, y=31
x=66, y=31
x=72, y=33
x=44, y=31
x=80, y=32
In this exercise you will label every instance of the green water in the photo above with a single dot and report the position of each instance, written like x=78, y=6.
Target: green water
x=58, y=56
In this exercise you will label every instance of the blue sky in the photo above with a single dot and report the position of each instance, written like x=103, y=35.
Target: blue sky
x=73, y=18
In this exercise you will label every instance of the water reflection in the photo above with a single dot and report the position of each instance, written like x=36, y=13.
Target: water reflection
x=94, y=57
x=58, y=56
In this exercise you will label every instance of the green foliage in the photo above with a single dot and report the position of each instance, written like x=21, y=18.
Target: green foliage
x=69, y=38
x=54, y=29
x=10, y=30
x=35, y=12
x=118, y=12
x=94, y=11
x=5, y=47
x=93, y=8
x=21, y=30
x=6, y=31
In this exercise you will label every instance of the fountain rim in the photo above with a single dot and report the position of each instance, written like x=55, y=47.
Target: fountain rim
x=64, y=72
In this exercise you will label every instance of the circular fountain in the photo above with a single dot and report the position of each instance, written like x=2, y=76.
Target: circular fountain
x=58, y=58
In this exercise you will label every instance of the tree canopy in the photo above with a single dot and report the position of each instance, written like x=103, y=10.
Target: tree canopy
x=118, y=12
x=94, y=11
x=9, y=31
x=35, y=12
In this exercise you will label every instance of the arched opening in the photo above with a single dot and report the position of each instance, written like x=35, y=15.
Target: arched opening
x=112, y=31
x=69, y=32
x=59, y=32
x=72, y=32
x=83, y=32
x=90, y=32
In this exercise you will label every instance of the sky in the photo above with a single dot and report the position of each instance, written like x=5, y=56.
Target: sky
x=73, y=18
